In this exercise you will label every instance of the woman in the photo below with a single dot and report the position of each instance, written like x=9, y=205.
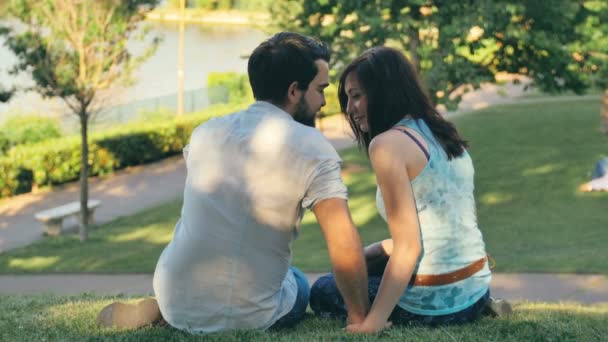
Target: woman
x=434, y=269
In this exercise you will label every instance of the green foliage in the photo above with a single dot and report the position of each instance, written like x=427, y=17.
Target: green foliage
x=236, y=85
x=591, y=50
x=76, y=54
x=161, y=114
x=465, y=42
x=431, y=34
x=5, y=143
x=532, y=36
x=14, y=180
x=57, y=161
x=75, y=49
x=224, y=4
x=204, y=4
x=252, y=5
x=29, y=129
x=332, y=105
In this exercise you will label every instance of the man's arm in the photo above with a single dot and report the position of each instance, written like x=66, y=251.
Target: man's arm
x=346, y=255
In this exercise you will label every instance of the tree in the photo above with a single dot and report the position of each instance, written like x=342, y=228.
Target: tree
x=459, y=43
x=561, y=44
x=591, y=50
x=445, y=40
x=74, y=50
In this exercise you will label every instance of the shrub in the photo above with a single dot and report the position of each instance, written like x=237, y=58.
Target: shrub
x=57, y=161
x=29, y=129
x=162, y=113
x=236, y=84
x=204, y=4
x=4, y=143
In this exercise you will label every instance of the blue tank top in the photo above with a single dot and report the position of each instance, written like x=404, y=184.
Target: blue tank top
x=448, y=227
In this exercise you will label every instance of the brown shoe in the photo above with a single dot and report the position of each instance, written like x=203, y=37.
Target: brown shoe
x=498, y=308
x=129, y=316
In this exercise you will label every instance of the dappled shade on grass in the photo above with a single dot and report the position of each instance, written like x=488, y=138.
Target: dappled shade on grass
x=529, y=160
x=37, y=318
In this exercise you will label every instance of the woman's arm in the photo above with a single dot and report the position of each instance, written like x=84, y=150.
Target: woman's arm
x=376, y=256
x=389, y=161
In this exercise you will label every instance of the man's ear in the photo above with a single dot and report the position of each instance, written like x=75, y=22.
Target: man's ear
x=294, y=93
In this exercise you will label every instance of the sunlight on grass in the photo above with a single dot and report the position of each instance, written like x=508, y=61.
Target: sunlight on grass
x=149, y=234
x=39, y=318
x=526, y=172
x=494, y=198
x=362, y=210
x=33, y=263
x=541, y=170
x=600, y=309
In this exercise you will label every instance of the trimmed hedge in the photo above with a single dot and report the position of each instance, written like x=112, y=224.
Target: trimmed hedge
x=28, y=129
x=57, y=161
x=236, y=84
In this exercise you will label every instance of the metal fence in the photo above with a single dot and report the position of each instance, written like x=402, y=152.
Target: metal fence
x=149, y=108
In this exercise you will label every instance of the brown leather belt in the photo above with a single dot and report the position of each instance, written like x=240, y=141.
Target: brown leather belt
x=448, y=278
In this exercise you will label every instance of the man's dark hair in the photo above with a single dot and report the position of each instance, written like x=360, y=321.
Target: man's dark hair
x=284, y=58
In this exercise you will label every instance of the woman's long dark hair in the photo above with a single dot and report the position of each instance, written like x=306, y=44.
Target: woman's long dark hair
x=394, y=91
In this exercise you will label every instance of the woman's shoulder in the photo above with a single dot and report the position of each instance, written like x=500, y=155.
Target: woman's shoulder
x=385, y=142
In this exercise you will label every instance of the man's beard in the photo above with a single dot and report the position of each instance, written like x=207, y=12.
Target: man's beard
x=303, y=114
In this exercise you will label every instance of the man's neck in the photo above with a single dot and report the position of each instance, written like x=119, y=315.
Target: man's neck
x=283, y=107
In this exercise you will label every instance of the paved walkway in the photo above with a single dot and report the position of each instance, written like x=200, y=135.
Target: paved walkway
x=589, y=289
x=137, y=188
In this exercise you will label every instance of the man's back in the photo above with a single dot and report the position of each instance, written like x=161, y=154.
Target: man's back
x=250, y=175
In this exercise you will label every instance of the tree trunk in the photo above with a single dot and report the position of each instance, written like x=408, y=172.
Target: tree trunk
x=84, y=180
x=604, y=112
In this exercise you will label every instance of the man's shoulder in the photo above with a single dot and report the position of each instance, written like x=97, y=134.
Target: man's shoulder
x=218, y=121
x=311, y=141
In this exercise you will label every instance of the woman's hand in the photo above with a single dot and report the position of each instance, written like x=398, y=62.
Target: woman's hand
x=363, y=328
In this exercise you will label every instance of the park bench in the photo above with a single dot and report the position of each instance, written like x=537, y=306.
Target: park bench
x=52, y=219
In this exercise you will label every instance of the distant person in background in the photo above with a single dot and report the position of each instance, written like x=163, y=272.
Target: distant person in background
x=599, y=179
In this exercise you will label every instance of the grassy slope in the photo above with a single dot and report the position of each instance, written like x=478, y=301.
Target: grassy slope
x=39, y=318
x=529, y=160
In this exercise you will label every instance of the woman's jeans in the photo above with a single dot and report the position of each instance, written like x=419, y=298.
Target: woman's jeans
x=326, y=301
x=299, y=308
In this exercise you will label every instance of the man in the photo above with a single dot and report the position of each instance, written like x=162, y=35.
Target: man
x=250, y=177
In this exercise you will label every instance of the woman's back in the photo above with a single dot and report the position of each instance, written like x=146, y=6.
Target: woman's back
x=450, y=237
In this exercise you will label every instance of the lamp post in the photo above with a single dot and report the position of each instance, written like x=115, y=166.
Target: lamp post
x=180, y=61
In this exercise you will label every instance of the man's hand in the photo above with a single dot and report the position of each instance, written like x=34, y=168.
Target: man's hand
x=363, y=328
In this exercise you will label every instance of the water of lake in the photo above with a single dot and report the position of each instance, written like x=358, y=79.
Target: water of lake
x=207, y=49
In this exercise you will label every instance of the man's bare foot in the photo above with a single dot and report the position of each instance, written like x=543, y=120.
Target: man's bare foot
x=130, y=316
x=498, y=308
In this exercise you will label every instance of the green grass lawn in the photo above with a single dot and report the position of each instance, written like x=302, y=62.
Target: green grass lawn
x=40, y=318
x=529, y=160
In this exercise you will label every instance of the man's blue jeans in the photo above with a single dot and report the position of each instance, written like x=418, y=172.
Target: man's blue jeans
x=299, y=308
